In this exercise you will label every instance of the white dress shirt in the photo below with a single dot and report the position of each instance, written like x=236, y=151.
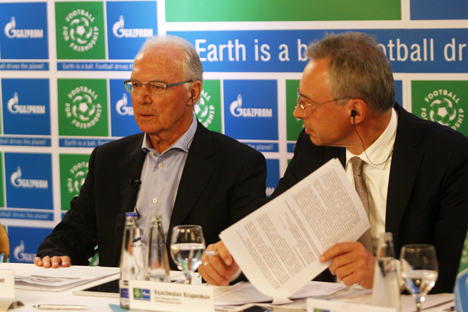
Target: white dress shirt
x=160, y=177
x=377, y=171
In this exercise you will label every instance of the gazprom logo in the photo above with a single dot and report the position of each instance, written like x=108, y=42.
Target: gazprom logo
x=18, y=182
x=11, y=31
x=237, y=110
x=120, y=32
x=122, y=108
x=15, y=108
x=21, y=256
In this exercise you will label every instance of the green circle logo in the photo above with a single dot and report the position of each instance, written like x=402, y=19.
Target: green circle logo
x=80, y=32
x=82, y=108
x=204, y=111
x=443, y=108
x=77, y=177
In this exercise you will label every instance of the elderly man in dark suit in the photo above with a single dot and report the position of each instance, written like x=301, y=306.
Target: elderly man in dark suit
x=416, y=171
x=176, y=167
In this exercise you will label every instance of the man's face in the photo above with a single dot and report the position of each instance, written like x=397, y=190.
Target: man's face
x=326, y=123
x=169, y=113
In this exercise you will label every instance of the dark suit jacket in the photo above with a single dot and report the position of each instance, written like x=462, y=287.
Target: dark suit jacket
x=222, y=181
x=427, y=193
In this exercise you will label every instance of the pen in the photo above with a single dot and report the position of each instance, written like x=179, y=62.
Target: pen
x=452, y=308
x=212, y=253
x=60, y=307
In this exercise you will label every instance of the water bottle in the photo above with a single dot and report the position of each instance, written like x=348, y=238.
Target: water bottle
x=131, y=257
x=386, y=290
x=157, y=262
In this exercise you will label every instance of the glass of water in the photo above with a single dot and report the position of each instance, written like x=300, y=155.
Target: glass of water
x=419, y=269
x=187, y=247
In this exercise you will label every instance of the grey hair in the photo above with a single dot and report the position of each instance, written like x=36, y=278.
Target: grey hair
x=191, y=64
x=358, y=68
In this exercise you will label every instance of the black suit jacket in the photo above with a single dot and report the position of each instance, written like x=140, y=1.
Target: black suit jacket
x=427, y=199
x=222, y=182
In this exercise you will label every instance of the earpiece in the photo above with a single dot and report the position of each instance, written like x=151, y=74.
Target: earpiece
x=353, y=113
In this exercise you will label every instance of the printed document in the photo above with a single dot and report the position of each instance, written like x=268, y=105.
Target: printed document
x=31, y=277
x=278, y=246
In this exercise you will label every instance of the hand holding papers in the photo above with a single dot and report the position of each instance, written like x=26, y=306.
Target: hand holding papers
x=278, y=246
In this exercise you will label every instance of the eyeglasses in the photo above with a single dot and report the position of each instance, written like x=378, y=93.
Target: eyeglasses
x=302, y=104
x=133, y=86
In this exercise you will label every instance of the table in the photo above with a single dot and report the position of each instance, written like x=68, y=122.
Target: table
x=101, y=304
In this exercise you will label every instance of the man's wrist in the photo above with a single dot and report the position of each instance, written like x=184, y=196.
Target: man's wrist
x=236, y=275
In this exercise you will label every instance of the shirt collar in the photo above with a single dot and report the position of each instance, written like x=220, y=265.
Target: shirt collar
x=382, y=148
x=183, y=143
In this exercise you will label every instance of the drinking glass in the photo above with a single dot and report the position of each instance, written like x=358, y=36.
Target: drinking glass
x=419, y=269
x=187, y=247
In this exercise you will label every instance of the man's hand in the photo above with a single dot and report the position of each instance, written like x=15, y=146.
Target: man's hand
x=351, y=263
x=218, y=270
x=56, y=261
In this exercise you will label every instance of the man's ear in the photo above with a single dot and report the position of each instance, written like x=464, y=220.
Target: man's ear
x=357, y=109
x=195, y=91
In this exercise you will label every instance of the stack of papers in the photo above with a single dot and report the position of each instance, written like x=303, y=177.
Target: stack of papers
x=31, y=277
x=244, y=293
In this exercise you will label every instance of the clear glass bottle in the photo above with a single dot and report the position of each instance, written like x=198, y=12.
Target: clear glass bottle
x=386, y=291
x=157, y=261
x=131, y=257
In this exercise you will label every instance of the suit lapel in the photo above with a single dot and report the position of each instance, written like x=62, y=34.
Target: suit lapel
x=406, y=160
x=129, y=168
x=335, y=152
x=196, y=174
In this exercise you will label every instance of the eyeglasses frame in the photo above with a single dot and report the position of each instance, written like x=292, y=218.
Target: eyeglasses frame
x=302, y=107
x=151, y=83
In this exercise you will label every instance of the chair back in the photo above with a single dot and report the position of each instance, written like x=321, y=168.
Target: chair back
x=4, y=244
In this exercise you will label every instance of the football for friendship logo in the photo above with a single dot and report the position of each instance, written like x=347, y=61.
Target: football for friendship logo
x=444, y=102
x=80, y=32
x=75, y=180
x=208, y=107
x=204, y=110
x=443, y=108
x=73, y=172
x=83, y=107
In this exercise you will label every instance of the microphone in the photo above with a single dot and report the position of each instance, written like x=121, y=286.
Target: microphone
x=134, y=182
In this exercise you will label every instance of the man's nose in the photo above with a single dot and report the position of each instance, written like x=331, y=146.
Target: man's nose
x=299, y=113
x=144, y=94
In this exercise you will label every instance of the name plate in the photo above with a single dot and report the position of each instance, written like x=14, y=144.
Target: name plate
x=7, y=284
x=316, y=305
x=170, y=297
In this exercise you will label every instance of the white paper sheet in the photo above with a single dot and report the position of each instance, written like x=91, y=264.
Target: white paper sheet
x=278, y=245
x=244, y=293
x=408, y=303
x=31, y=277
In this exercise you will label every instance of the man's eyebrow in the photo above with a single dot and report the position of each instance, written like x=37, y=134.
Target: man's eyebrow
x=156, y=81
x=306, y=97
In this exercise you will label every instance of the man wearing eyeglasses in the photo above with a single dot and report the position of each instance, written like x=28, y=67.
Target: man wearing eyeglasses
x=415, y=171
x=176, y=167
